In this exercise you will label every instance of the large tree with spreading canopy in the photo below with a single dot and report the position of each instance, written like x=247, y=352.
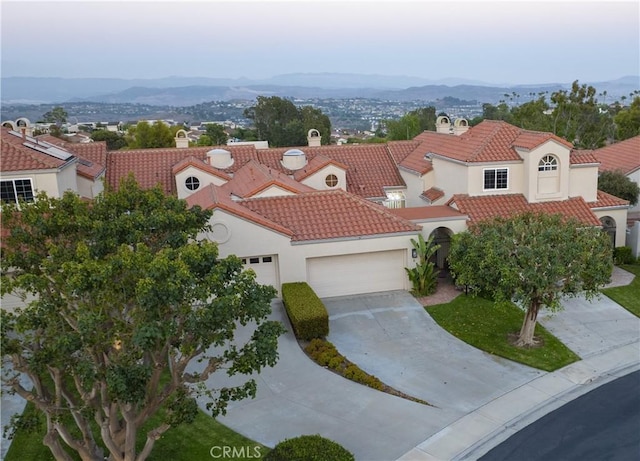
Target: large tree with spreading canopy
x=534, y=260
x=126, y=298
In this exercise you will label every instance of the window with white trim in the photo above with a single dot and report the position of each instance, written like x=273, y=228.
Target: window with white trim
x=395, y=199
x=13, y=190
x=496, y=178
x=548, y=163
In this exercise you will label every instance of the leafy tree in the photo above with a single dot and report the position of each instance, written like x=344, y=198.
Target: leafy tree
x=618, y=184
x=114, y=140
x=146, y=136
x=132, y=315
x=532, y=115
x=216, y=135
x=424, y=276
x=491, y=112
x=280, y=122
x=627, y=120
x=579, y=119
x=56, y=115
x=533, y=259
x=411, y=124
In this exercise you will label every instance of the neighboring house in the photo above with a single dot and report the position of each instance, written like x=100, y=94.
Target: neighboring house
x=342, y=217
x=33, y=164
x=624, y=156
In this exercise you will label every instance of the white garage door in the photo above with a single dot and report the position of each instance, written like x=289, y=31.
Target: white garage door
x=265, y=267
x=357, y=273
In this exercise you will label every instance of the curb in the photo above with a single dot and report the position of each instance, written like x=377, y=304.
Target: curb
x=476, y=433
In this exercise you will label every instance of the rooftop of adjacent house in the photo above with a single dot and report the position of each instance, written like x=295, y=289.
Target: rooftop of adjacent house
x=254, y=177
x=489, y=206
x=623, y=156
x=426, y=213
x=92, y=156
x=20, y=153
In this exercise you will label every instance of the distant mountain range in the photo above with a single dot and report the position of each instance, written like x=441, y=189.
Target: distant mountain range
x=187, y=91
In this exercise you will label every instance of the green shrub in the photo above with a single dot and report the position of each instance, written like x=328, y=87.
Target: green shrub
x=309, y=318
x=623, y=255
x=309, y=448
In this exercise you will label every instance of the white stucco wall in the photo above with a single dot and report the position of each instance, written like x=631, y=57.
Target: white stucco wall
x=204, y=178
x=540, y=186
x=635, y=177
x=90, y=188
x=273, y=191
x=619, y=215
x=317, y=179
x=583, y=182
x=246, y=239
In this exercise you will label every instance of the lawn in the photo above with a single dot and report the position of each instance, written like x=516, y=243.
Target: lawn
x=485, y=325
x=183, y=443
x=627, y=296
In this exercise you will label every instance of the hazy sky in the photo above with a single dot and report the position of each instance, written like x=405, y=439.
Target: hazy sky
x=496, y=42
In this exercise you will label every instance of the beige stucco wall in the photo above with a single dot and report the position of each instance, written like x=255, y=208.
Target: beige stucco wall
x=620, y=217
x=245, y=239
x=416, y=185
x=90, y=188
x=204, y=178
x=514, y=178
x=451, y=177
x=635, y=177
x=584, y=182
x=53, y=182
x=540, y=186
x=317, y=179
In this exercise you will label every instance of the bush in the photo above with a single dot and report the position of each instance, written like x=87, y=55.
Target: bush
x=623, y=255
x=309, y=448
x=308, y=316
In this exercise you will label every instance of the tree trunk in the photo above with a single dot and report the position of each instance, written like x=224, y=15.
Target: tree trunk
x=525, y=339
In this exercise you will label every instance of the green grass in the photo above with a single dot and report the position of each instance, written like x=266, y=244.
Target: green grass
x=627, y=296
x=183, y=443
x=487, y=325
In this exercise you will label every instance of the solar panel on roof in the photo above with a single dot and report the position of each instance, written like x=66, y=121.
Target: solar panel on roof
x=49, y=149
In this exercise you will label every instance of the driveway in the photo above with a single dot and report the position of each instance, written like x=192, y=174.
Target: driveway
x=391, y=336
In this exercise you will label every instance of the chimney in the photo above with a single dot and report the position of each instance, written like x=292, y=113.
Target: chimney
x=313, y=138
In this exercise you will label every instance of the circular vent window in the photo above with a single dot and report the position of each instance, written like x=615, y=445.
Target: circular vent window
x=192, y=183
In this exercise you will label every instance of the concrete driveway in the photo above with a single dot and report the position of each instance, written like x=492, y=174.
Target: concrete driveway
x=391, y=336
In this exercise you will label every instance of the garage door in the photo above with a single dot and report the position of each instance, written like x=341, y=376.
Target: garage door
x=265, y=267
x=357, y=273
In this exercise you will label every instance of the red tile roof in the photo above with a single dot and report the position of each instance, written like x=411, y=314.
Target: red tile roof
x=623, y=156
x=488, y=206
x=401, y=149
x=582, y=157
x=17, y=157
x=370, y=167
x=316, y=164
x=200, y=165
x=253, y=178
x=489, y=141
x=427, y=212
x=605, y=200
x=154, y=166
x=433, y=194
x=333, y=214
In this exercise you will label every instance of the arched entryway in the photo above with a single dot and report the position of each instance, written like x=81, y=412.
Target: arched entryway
x=609, y=226
x=442, y=236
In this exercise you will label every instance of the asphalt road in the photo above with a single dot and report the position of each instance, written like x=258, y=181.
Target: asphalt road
x=603, y=424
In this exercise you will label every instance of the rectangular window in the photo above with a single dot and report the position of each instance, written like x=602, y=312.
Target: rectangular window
x=16, y=189
x=496, y=178
x=266, y=259
x=254, y=260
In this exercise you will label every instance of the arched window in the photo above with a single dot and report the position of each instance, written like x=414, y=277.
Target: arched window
x=192, y=183
x=548, y=163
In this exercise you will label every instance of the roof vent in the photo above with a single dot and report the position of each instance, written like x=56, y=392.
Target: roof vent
x=220, y=158
x=460, y=126
x=443, y=124
x=294, y=159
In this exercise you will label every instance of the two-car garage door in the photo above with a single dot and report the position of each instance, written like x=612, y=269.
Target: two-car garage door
x=357, y=273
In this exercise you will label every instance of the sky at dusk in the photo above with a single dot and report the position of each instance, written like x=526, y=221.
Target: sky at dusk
x=494, y=42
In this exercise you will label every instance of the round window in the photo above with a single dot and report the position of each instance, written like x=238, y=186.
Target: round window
x=192, y=183
x=331, y=180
